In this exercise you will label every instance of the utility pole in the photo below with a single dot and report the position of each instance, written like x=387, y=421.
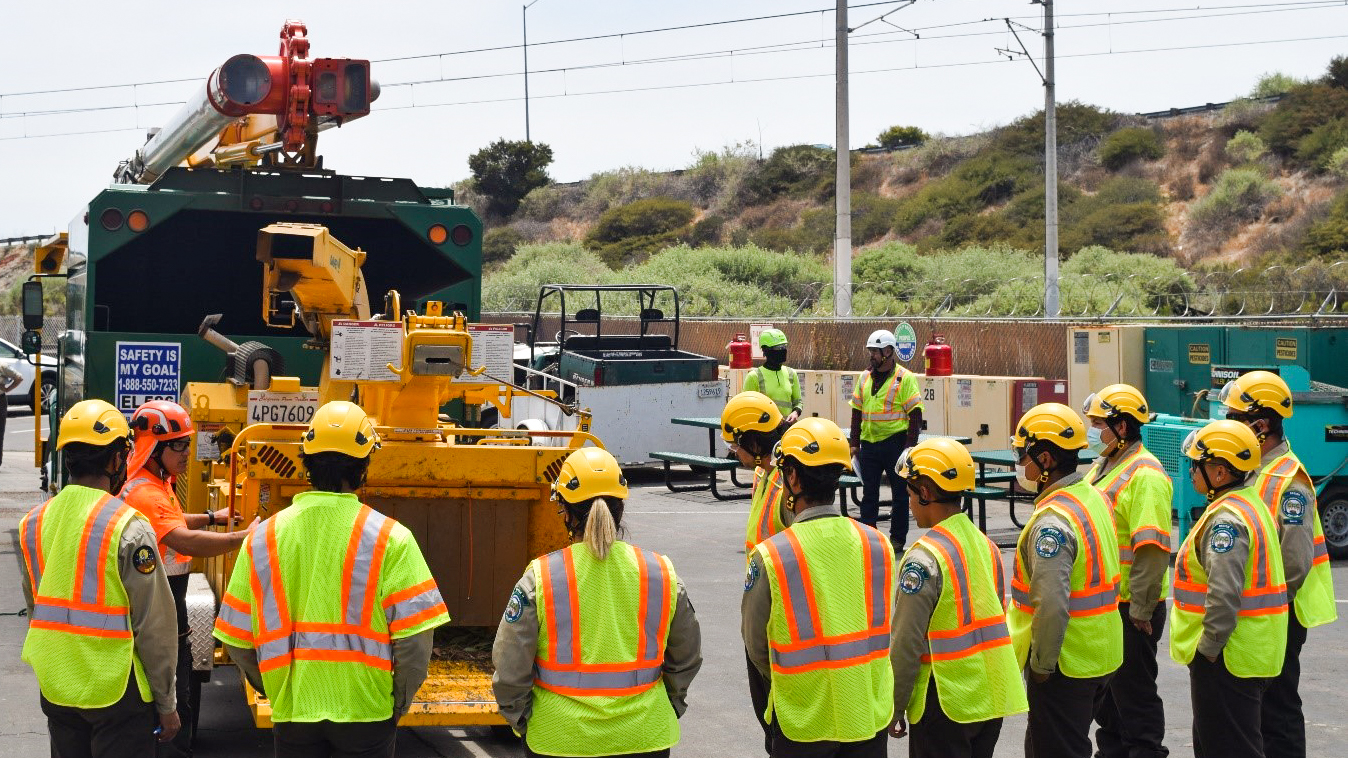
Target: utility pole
x=842, y=238
x=524, y=11
x=1051, y=305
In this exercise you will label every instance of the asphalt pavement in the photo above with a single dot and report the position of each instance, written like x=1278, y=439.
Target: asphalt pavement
x=704, y=539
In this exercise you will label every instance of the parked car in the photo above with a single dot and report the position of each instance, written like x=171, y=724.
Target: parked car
x=23, y=394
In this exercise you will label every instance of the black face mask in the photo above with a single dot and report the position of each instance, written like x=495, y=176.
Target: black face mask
x=773, y=358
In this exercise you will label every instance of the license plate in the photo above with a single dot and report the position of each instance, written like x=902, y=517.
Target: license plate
x=281, y=407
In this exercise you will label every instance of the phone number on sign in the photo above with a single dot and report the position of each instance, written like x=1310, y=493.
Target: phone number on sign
x=149, y=384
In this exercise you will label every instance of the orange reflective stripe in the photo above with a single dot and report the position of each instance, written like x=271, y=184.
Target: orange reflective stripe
x=771, y=500
x=945, y=543
x=1257, y=538
x=1277, y=473
x=82, y=574
x=998, y=571
x=1139, y=460
x=1095, y=563
x=807, y=583
x=548, y=567
x=31, y=544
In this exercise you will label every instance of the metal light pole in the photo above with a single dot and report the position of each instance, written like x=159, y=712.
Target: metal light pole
x=524, y=11
x=1051, y=304
x=842, y=238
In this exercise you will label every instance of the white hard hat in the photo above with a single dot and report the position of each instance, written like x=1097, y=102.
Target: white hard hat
x=881, y=338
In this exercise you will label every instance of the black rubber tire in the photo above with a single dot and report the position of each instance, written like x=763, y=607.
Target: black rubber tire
x=1334, y=519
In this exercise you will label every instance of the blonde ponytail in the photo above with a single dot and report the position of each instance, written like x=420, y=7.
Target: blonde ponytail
x=600, y=529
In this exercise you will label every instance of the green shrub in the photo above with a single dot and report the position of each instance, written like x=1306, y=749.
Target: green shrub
x=872, y=216
x=1128, y=145
x=1305, y=109
x=506, y=171
x=1328, y=236
x=1336, y=74
x=1275, y=83
x=1077, y=122
x=902, y=136
x=499, y=244
x=1136, y=227
x=546, y=203
x=514, y=286
x=795, y=170
x=607, y=190
x=1337, y=164
x=1316, y=147
x=707, y=230
x=1239, y=194
x=639, y=228
x=985, y=179
x=734, y=281
x=716, y=178
x=1245, y=147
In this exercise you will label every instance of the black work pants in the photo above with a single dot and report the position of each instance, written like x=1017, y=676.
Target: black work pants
x=1226, y=710
x=874, y=747
x=879, y=459
x=1283, y=724
x=4, y=418
x=936, y=736
x=330, y=739
x=181, y=745
x=124, y=729
x=1061, y=709
x=758, y=697
x=1131, y=715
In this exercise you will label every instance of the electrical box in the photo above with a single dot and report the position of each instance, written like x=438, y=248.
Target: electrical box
x=1027, y=393
x=1179, y=361
x=979, y=407
x=818, y=393
x=934, y=391
x=842, y=410
x=1100, y=356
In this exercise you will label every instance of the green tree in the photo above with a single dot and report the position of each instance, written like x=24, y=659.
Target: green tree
x=902, y=136
x=506, y=171
x=1275, y=83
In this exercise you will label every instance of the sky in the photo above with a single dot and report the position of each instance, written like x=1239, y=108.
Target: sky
x=629, y=95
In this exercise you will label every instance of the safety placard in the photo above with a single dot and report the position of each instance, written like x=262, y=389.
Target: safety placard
x=266, y=407
x=147, y=371
x=494, y=349
x=363, y=350
x=756, y=331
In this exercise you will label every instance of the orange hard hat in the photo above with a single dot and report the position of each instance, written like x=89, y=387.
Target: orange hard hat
x=155, y=422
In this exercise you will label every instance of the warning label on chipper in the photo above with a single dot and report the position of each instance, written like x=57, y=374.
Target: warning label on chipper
x=147, y=371
x=365, y=349
x=493, y=348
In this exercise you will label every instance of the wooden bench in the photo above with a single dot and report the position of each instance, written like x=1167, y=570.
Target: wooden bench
x=712, y=466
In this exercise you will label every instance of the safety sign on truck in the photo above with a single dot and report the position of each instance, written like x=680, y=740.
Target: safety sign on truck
x=147, y=371
x=493, y=348
x=364, y=349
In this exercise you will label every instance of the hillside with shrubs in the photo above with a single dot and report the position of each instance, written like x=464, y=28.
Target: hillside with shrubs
x=1149, y=209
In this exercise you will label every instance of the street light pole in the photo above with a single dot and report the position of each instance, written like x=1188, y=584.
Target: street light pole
x=1052, y=309
x=842, y=238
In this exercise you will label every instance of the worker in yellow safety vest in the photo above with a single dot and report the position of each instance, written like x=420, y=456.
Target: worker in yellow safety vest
x=102, y=638
x=1262, y=401
x=1064, y=593
x=331, y=607
x=886, y=419
x=1137, y=489
x=751, y=425
x=598, y=643
x=817, y=610
x=955, y=670
x=1227, y=621
x=160, y=452
x=774, y=378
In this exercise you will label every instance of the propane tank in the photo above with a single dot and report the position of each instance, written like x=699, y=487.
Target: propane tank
x=741, y=352
x=938, y=357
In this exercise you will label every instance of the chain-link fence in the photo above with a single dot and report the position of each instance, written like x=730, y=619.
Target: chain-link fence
x=11, y=330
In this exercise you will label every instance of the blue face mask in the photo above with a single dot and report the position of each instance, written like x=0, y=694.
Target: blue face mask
x=1094, y=442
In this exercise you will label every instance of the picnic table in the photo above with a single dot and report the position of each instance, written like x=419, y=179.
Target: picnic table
x=985, y=480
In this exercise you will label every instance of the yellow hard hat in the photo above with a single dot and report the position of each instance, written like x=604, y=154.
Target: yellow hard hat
x=1258, y=389
x=815, y=441
x=1050, y=422
x=93, y=422
x=1117, y=400
x=589, y=472
x=749, y=412
x=943, y=460
x=1226, y=440
x=340, y=427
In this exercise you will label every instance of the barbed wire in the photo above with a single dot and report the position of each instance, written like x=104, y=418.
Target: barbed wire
x=1310, y=290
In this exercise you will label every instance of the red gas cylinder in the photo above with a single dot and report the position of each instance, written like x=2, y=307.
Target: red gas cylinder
x=938, y=357
x=741, y=352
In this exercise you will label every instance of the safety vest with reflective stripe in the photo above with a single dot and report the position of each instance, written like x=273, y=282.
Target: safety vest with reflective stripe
x=782, y=385
x=1093, y=643
x=79, y=640
x=884, y=413
x=969, y=651
x=602, y=630
x=832, y=584
x=765, y=509
x=323, y=640
x=1314, y=600
x=1138, y=519
x=174, y=564
x=1257, y=644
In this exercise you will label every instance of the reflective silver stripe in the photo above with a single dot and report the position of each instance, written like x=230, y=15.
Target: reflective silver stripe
x=133, y=485
x=879, y=593
x=262, y=568
x=353, y=643
x=990, y=633
x=1321, y=550
x=795, y=585
x=1251, y=516
x=562, y=606
x=1190, y=597
x=883, y=416
x=599, y=680
x=413, y=605
x=1247, y=602
x=1021, y=597
x=1150, y=534
x=835, y=652
x=1125, y=555
x=361, y=567
x=1094, y=600
x=93, y=567
x=1121, y=481
x=31, y=543
x=236, y=619
x=275, y=649
x=950, y=548
x=111, y=621
x=656, y=595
